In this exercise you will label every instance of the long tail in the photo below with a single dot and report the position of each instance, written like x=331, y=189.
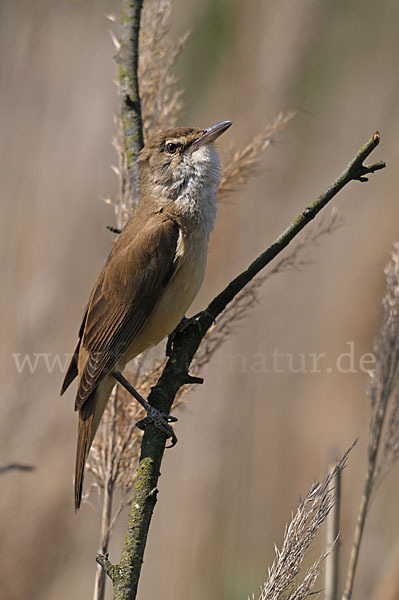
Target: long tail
x=90, y=414
x=85, y=437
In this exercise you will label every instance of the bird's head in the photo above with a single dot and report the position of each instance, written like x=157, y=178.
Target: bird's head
x=181, y=165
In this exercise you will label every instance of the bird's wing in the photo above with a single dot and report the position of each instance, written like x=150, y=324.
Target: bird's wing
x=132, y=279
x=72, y=370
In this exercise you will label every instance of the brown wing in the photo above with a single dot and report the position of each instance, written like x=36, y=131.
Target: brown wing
x=136, y=272
x=72, y=370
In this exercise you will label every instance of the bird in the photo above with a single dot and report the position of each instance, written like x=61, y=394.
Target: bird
x=151, y=276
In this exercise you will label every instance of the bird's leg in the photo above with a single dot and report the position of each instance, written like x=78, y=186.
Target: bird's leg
x=155, y=416
x=182, y=326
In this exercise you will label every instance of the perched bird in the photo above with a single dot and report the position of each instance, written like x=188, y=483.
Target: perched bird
x=151, y=276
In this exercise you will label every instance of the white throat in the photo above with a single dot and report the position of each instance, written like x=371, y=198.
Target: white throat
x=194, y=195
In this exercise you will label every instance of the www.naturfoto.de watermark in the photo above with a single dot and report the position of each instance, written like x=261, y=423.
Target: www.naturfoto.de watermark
x=275, y=361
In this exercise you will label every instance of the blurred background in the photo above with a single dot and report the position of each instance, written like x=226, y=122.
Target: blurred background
x=251, y=440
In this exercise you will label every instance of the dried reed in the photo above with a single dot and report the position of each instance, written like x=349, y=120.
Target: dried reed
x=161, y=97
x=243, y=162
x=284, y=581
x=383, y=447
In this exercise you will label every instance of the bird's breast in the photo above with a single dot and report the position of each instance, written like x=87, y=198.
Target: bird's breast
x=177, y=296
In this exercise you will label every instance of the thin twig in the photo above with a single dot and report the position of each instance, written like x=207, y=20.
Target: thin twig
x=332, y=541
x=358, y=535
x=16, y=467
x=102, y=559
x=126, y=574
x=113, y=229
x=354, y=171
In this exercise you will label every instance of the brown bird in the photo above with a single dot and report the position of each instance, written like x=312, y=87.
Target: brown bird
x=151, y=276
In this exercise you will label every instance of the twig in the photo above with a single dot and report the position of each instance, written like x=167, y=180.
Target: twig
x=125, y=575
x=332, y=541
x=129, y=90
x=357, y=538
x=113, y=229
x=354, y=171
x=102, y=559
x=16, y=467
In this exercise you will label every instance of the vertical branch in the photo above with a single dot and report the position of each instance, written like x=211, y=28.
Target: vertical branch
x=127, y=573
x=130, y=111
x=129, y=142
x=332, y=542
x=127, y=59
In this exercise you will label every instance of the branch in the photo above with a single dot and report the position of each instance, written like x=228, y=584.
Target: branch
x=125, y=575
x=127, y=60
x=102, y=559
x=131, y=129
x=354, y=171
x=16, y=467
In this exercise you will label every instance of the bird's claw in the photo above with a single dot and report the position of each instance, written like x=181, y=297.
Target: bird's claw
x=161, y=421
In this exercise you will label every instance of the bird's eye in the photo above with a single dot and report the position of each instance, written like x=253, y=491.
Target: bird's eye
x=171, y=147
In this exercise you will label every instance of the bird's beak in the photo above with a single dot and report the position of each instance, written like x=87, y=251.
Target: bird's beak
x=211, y=134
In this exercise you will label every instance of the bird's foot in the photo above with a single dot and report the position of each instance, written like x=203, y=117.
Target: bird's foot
x=161, y=421
x=155, y=416
x=182, y=326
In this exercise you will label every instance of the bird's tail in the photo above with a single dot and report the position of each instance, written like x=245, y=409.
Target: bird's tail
x=90, y=414
x=89, y=419
x=85, y=437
